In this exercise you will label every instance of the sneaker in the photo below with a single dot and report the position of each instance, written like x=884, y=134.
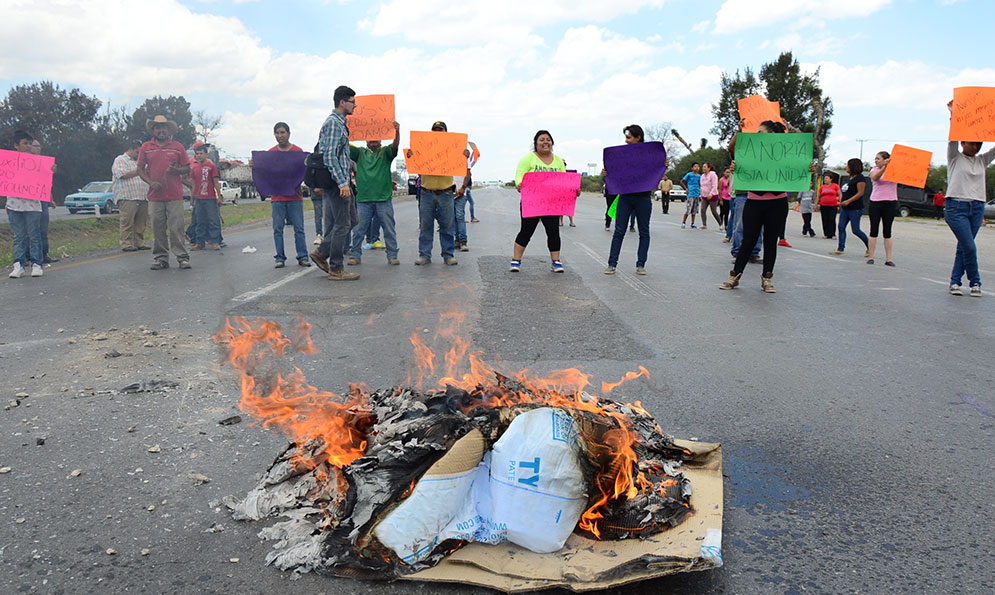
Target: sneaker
x=48, y=259
x=462, y=247
x=450, y=260
x=704, y=227
x=422, y=260
x=693, y=226
x=379, y=245
x=767, y=283
x=870, y=261
x=353, y=261
x=144, y=247
x=556, y=266
x=684, y=225
x=956, y=290
x=726, y=240
x=515, y=266
x=975, y=289
x=367, y=246
x=37, y=272
x=303, y=262
x=836, y=252
x=755, y=258
x=196, y=247
x=215, y=246
x=640, y=270
x=610, y=270
x=279, y=264
x=474, y=220
x=342, y=275
x=784, y=243
x=16, y=272
x=317, y=240
x=319, y=260
x=184, y=264
x=393, y=261
x=608, y=228
x=732, y=282
x=159, y=265
x=867, y=253
x=889, y=263
x=632, y=229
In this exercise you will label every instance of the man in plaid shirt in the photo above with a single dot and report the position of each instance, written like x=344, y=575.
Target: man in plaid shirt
x=338, y=202
x=131, y=195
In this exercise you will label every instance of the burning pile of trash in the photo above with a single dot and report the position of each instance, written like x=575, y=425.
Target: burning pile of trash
x=400, y=482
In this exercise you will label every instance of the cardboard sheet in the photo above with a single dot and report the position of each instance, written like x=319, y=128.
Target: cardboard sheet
x=587, y=565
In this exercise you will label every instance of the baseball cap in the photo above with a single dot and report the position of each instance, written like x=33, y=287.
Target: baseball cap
x=440, y=124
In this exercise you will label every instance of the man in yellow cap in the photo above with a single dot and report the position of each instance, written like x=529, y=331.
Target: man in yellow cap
x=162, y=164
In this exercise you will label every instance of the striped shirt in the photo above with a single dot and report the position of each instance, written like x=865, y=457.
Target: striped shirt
x=133, y=188
x=333, y=142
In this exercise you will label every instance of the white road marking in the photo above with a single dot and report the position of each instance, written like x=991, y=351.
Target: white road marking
x=946, y=283
x=261, y=291
x=636, y=284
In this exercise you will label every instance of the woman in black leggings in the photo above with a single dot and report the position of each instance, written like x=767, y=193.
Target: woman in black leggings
x=763, y=210
x=540, y=159
x=882, y=209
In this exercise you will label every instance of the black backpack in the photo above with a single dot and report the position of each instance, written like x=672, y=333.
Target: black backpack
x=316, y=175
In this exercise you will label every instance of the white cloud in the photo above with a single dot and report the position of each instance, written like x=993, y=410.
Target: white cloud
x=701, y=27
x=738, y=15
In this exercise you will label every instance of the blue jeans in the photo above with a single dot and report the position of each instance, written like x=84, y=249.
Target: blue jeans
x=434, y=207
x=851, y=216
x=459, y=204
x=383, y=214
x=292, y=210
x=964, y=217
x=26, y=227
x=206, y=221
x=340, y=218
x=736, y=224
x=372, y=229
x=43, y=229
x=469, y=201
x=316, y=203
x=639, y=207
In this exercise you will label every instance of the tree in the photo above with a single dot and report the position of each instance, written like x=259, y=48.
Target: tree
x=205, y=126
x=662, y=132
x=174, y=108
x=718, y=158
x=726, y=111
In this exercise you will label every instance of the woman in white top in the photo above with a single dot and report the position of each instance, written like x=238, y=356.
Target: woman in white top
x=884, y=205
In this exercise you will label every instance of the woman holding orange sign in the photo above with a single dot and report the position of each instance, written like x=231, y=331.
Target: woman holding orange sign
x=884, y=205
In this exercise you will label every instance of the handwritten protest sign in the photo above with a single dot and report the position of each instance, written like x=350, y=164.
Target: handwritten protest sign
x=755, y=109
x=24, y=175
x=475, y=155
x=908, y=166
x=973, y=117
x=278, y=173
x=437, y=154
x=549, y=193
x=634, y=168
x=373, y=118
x=773, y=162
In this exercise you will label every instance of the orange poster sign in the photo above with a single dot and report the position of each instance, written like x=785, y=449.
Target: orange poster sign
x=373, y=118
x=908, y=166
x=973, y=117
x=437, y=153
x=755, y=109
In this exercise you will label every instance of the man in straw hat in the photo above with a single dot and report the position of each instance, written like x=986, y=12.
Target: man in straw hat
x=162, y=163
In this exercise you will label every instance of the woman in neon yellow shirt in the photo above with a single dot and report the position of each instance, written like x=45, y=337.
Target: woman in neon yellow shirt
x=540, y=159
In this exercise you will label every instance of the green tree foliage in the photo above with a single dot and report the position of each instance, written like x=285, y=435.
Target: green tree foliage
x=781, y=80
x=937, y=180
x=174, y=108
x=68, y=126
x=719, y=158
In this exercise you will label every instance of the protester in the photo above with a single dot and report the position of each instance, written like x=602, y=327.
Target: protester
x=45, y=210
x=709, y=190
x=852, y=206
x=131, y=195
x=884, y=205
x=541, y=158
x=692, y=186
x=338, y=202
x=666, y=185
x=738, y=203
x=374, y=195
x=829, y=201
x=939, y=199
x=766, y=210
x=205, y=190
x=470, y=203
x=288, y=208
x=640, y=203
x=24, y=216
x=316, y=205
x=459, y=206
x=162, y=163
x=725, y=197
x=437, y=204
x=805, y=207
x=609, y=199
x=964, y=208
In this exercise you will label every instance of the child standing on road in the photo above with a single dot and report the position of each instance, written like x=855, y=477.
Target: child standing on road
x=692, y=185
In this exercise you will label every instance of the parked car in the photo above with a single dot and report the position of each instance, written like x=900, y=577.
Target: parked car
x=676, y=193
x=990, y=210
x=230, y=193
x=93, y=196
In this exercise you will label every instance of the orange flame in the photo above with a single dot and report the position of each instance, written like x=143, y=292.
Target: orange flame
x=607, y=388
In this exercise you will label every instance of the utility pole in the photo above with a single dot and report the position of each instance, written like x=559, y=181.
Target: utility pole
x=862, y=141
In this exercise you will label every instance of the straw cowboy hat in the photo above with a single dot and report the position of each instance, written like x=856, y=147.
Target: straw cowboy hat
x=149, y=123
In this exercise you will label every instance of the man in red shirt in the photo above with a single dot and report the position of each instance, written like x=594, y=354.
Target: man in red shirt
x=938, y=201
x=288, y=208
x=162, y=163
x=206, y=193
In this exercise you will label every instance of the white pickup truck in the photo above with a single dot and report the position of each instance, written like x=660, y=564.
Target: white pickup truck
x=230, y=193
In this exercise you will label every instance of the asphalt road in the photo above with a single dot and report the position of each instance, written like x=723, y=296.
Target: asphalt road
x=855, y=406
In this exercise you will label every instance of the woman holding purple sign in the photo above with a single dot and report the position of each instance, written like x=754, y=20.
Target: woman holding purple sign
x=540, y=159
x=640, y=203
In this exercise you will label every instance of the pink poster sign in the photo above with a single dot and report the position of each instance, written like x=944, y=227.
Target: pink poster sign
x=25, y=175
x=549, y=193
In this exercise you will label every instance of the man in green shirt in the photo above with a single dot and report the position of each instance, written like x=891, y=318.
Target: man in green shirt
x=374, y=192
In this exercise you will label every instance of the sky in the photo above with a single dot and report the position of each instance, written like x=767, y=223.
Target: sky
x=501, y=70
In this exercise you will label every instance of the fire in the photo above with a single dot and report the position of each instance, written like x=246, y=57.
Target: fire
x=304, y=413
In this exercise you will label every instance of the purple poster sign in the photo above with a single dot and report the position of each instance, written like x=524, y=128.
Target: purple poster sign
x=634, y=168
x=278, y=173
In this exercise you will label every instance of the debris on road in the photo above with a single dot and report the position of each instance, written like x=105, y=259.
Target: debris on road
x=155, y=448
x=149, y=386
x=248, y=250
x=229, y=421
x=76, y=472
x=5, y=470
x=198, y=478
